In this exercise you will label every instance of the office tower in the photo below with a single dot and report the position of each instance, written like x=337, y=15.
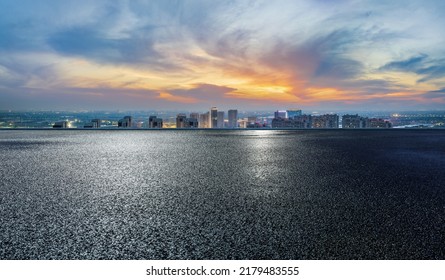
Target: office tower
x=150, y=121
x=191, y=123
x=293, y=113
x=213, y=121
x=125, y=122
x=204, y=120
x=155, y=122
x=194, y=116
x=181, y=120
x=220, y=119
x=129, y=121
x=281, y=114
x=233, y=118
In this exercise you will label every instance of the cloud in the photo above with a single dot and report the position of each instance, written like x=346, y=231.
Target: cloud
x=436, y=71
x=409, y=65
x=206, y=94
x=176, y=98
x=435, y=94
x=422, y=65
x=201, y=53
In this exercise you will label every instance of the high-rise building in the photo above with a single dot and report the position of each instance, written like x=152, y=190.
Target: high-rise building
x=325, y=121
x=150, y=121
x=293, y=113
x=252, y=119
x=303, y=121
x=95, y=123
x=127, y=121
x=181, y=120
x=280, y=114
x=379, y=123
x=233, y=118
x=191, y=123
x=194, y=116
x=204, y=120
x=61, y=124
x=213, y=122
x=354, y=121
x=220, y=119
x=155, y=122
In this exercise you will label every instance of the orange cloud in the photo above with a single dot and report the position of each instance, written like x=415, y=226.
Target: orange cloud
x=176, y=98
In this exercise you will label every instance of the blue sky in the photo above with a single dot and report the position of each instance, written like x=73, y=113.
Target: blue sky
x=317, y=55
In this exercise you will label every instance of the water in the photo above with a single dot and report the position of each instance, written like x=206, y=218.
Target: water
x=331, y=194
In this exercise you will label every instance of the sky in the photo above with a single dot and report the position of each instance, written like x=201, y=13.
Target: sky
x=191, y=55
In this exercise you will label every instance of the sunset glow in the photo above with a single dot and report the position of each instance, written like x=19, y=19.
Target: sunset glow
x=195, y=54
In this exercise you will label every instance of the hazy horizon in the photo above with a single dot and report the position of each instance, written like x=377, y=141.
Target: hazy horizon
x=250, y=55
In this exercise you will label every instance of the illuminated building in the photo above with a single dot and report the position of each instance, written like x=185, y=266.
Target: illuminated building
x=213, y=121
x=204, y=120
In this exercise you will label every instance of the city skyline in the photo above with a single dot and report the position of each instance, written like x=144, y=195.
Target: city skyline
x=216, y=118
x=187, y=55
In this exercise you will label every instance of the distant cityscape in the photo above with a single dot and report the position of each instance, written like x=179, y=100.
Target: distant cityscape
x=218, y=119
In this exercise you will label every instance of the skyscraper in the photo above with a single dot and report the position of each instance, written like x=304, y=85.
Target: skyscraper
x=181, y=121
x=194, y=116
x=191, y=123
x=293, y=113
x=213, y=117
x=354, y=121
x=220, y=120
x=127, y=121
x=281, y=114
x=204, y=120
x=155, y=122
x=325, y=121
x=233, y=118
